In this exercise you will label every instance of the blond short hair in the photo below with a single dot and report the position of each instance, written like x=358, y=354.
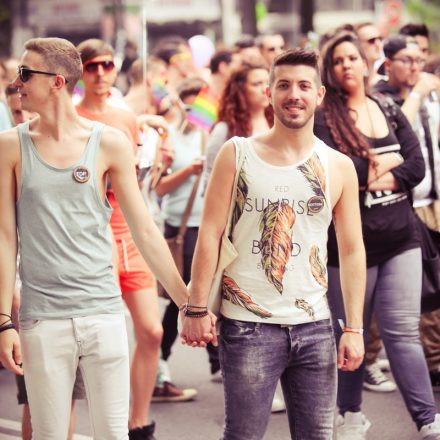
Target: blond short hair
x=60, y=56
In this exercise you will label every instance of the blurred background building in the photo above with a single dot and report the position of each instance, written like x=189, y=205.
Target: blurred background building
x=221, y=20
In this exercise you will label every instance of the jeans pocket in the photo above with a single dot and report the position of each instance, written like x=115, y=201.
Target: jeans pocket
x=233, y=329
x=29, y=324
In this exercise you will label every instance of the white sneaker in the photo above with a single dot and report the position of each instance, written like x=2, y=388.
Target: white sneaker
x=352, y=426
x=278, y=404
x=375, y=380
x=384, y=364
x=431, y=431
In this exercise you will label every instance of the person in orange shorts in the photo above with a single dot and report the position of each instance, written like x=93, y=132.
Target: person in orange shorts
x=135, y=278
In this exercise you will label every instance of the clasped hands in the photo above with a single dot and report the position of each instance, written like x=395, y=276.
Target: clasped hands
x=198, y=332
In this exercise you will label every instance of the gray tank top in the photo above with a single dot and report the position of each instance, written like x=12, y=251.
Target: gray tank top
x=65, y=242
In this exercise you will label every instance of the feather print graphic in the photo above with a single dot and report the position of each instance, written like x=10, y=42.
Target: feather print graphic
x=319, y=271
x=304, y=305
x=240, y=198
x=276, y=227
x=233, y=293
x=314, y=173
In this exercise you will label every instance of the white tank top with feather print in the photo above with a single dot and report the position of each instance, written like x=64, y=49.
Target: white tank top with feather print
x=279, y=225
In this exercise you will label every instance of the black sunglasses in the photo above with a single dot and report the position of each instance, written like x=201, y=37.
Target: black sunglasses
x=25, y=74
x=92, y=66
x=373, y=40
x=274, y=48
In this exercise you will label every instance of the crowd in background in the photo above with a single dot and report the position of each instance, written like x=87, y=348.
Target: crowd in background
x=177, y=116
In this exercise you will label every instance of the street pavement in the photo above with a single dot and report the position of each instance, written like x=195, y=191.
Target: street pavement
x=202, y=419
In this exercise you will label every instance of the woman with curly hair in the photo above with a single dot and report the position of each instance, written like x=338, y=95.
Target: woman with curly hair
x=389, y=163
x=244, y=110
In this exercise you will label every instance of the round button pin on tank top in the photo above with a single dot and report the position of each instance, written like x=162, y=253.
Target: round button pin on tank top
x=81, y=174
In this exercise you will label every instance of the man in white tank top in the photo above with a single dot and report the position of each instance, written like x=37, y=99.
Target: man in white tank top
x=71, y=312
x=275, y=318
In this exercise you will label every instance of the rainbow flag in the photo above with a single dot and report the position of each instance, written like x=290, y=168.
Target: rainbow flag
x=204, y=109
x=79, y=88
x=159, y=92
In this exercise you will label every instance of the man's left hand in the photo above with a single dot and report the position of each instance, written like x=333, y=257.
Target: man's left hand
x=351, y=351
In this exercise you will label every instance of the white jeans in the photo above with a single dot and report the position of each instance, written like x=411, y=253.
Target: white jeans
x=52, y=351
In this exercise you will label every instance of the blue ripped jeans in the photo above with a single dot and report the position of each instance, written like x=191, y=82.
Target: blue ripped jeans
x=254, y=356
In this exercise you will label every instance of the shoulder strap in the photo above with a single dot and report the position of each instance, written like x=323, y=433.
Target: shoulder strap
x=189, y=205
x=188, y=209
x=239, y=159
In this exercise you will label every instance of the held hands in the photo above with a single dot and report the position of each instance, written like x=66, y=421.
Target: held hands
x=10, y=351
x=198, y=332
x=351, y=351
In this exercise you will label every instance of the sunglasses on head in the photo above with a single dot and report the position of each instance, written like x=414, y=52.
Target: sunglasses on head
x=92, y=66
x=25, y=74
x=373, y=40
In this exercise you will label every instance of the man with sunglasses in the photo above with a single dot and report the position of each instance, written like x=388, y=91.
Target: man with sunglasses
x=53, y=173
x=371, y=43
x=136, y=281
x=270, y=45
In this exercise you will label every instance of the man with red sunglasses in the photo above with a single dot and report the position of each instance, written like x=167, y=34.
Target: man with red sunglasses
x=53, y=174
x=136, y=281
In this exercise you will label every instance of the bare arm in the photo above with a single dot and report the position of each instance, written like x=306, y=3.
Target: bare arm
x=170, y=183
x=427, y=82
x=385, y=182
x=384, y=163
x=352, y=265
x=10, y=354
x=215, y=213
x=150, y=242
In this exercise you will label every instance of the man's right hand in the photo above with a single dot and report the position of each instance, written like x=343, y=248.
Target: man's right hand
x=10, y=351
x=198, y=332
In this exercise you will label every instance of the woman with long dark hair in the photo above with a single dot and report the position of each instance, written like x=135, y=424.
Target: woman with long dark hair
x=389, y=163
x=244, y=110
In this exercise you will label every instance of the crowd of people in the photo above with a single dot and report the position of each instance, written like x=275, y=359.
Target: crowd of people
x=322, y=164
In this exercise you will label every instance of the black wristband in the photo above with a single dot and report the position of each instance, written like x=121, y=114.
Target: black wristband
x=191, y=314
x=7, y=327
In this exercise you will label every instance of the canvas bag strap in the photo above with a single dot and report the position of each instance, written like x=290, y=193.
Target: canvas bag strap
x=239, y=159
x=189, y=205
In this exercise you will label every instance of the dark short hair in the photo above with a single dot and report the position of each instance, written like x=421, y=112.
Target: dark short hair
x=222, y=56
x=190, y=86
x=296, y=57
x=166, y=52
x=415, y=29
x=93, y=48
x=245, y=41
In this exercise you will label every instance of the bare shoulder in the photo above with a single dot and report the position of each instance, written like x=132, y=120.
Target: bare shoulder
x=340, y=162
x=9, y=146
x=114, y=142
x=226, y=155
